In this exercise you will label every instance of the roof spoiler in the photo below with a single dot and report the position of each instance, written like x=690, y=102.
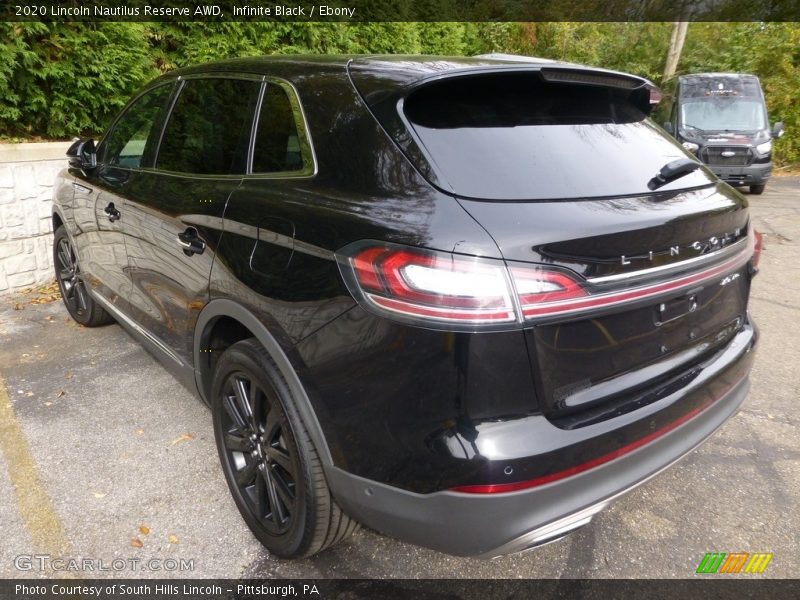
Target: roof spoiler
x=588, y=77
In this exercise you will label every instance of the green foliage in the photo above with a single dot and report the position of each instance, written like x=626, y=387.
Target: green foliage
x=15, y=58
x=60, y=80
x=769, y=50
x=54, y=81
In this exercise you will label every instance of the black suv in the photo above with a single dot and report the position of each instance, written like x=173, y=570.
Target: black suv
x=465, y=302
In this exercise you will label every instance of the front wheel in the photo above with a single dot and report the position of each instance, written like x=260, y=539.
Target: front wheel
x=758, y=189
x=271, y=465
x=80, y=304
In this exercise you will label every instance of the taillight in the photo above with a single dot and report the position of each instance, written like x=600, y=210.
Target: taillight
x=539, y=288
x=432, y=286
x=599, y=297
x=459, y=292
x=655, y=95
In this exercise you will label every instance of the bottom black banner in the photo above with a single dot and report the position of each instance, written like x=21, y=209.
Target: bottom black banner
x=414, y=589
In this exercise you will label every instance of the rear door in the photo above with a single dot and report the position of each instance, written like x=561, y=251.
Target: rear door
x=173, y=215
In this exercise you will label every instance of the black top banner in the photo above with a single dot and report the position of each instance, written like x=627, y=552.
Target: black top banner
x=400, y=10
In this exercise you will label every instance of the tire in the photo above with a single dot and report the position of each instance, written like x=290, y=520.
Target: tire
x=80, y=304
x=758, y=189
x=271, y=465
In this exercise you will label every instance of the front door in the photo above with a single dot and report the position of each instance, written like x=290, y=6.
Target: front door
x=99, y=200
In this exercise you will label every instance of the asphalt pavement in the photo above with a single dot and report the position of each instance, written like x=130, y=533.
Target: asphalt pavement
x=104, y=458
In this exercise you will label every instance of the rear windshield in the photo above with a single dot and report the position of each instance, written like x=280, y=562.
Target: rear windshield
x=515, y=137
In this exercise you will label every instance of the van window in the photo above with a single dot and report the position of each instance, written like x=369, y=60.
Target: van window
x=125, y=146
x=515, y=136
x=724, y=114
x=277, y=146
x=208, y=132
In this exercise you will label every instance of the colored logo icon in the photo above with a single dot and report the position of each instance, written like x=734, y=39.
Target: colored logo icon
x=735, y=562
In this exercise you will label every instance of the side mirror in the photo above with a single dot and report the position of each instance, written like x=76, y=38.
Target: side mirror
x=669, y=128
x=777, y=129
x=82, y=154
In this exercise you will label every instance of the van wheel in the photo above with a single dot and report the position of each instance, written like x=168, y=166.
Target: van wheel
x=271, y=465
x=80, y=304
x=758, y=189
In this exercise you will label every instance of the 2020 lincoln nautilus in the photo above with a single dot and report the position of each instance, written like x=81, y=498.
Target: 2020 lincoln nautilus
x=466, y=302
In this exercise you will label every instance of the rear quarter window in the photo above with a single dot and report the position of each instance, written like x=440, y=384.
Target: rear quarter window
x=280, y=143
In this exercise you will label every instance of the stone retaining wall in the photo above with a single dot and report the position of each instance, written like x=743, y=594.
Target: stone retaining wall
x=27, y=173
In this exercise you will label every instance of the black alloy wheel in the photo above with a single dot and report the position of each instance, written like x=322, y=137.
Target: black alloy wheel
x=270, y=462
x=72, y=288
x=255, y=439
x=81, y=306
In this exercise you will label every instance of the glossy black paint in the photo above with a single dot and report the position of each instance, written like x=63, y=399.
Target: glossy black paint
x=470, y=414
x=411, y=407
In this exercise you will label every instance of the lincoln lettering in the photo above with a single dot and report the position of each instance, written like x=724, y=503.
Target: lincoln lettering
x=69, y=11
x=700, y=247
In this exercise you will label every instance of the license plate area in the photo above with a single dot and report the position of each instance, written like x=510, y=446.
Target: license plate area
x=582, y=363
x=672, y=310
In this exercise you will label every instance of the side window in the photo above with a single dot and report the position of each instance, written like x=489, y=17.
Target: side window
x=208, y=132
x=278, y=146
x=131, y=137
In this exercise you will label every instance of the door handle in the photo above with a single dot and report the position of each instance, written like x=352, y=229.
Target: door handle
x=191, y=242
x=112, y=212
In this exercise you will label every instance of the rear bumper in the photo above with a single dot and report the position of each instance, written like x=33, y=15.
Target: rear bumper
x=755, y=174
x=495, y=524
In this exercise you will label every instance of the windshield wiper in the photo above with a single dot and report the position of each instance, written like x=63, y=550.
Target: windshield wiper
x=672, y=171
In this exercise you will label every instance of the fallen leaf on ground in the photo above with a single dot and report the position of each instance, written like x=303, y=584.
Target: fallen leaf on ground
x=173, y=539
x=28, y=394
x=61, y=394
x=144, y=530
x=99, y=495
x=43, y=294
x=19, y=306
x=69, y=375
x=183, y=438
x=48, y=404
x=137, y=543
